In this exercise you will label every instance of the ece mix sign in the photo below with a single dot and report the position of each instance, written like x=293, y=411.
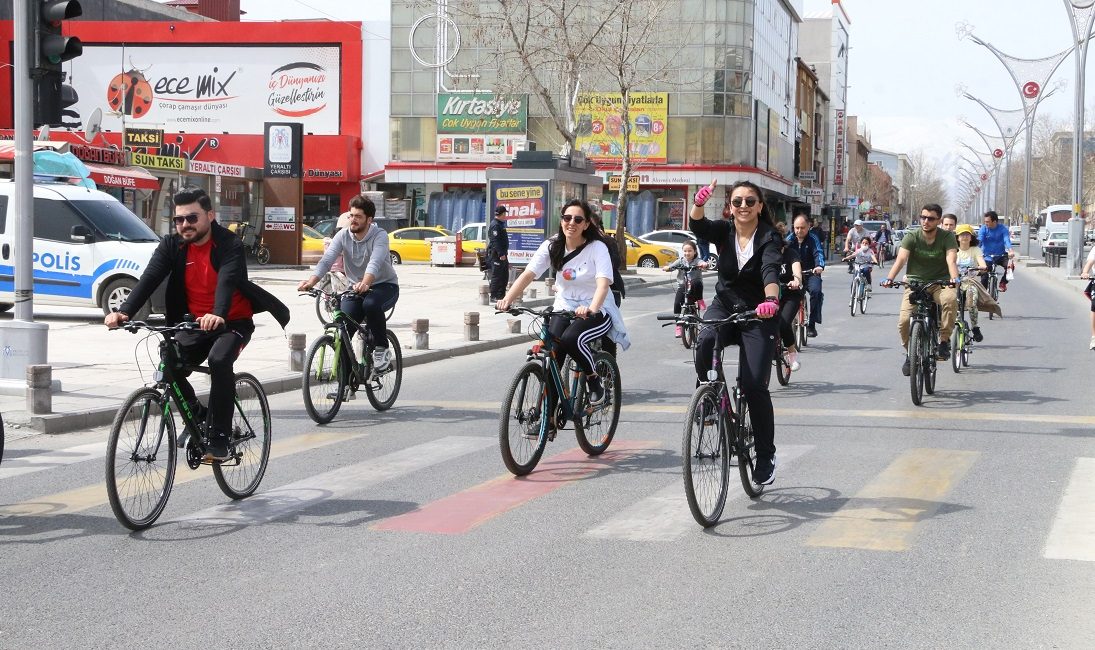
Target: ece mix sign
x=480, y=127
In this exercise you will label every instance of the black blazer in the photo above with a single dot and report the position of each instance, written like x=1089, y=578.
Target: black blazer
x=742, y=289
x=228, y=259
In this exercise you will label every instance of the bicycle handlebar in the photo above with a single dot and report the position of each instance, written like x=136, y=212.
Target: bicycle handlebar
x=691, y=319
x=331, y=294
x=134, y=326
x=914, y=285
x=547, y=311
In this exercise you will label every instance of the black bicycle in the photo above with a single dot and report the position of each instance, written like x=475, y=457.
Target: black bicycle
x=923, y=347
x=717, y=427
x=689, y=332
x=543, y=398
x=334, y=371
x=253, y=243
x=140, y=456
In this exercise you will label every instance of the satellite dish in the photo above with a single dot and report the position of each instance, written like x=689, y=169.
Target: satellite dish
x=94, y=126
x=43, y=133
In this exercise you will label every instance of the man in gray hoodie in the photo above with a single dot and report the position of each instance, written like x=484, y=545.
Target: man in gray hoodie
x=363, y=247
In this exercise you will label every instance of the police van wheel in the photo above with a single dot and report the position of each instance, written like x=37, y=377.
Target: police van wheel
x=116, y=293
x=5, y=306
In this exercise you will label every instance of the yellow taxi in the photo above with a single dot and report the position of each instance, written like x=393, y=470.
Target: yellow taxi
x=411, y=245
x=647, y=256
x=311, y=245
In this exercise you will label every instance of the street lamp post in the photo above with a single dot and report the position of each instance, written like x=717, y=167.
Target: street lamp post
x=1082, y=15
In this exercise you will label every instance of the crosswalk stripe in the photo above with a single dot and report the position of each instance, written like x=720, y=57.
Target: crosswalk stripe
x=883, y=516
x=29, y=464
x=272, y=504
x=90, y=496
x=1072, y=536
x=664, y=516
x=463, y=511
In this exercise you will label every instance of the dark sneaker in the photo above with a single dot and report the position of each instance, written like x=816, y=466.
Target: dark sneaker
x=765, y=471
x=811, y=331
x=905, y=369
x=595, y=391
x=944, y=351
x=217, y=449
x=977, y=338
x=1003, y=287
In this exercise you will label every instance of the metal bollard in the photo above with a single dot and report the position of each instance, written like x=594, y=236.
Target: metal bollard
x=39, y=397
x=513, y=325
x=550, y=284
x=532, y=294
x=297, y=343
x=471, y=326
x=484, y=294
x=421, y=329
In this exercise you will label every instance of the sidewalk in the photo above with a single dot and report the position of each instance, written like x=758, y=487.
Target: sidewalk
x=98, y=368
x=1057, y=274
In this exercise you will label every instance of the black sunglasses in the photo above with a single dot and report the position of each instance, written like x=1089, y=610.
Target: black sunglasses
x=576, y=218
x=749, y=201
x=191, y=219
x=924, y=218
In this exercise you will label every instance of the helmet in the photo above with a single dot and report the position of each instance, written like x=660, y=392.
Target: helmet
x=858, y=222
x=964, y=228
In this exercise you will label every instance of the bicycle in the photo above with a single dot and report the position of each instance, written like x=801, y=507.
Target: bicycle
x=923, y=348
x=326, y=305
x=880, y=254
x=689, y=332
x=526, y=424
x=860, y=294
x=332, y=372
x=783, y=367
x=717, y=426
x=802, y=321
x=253, y=243
x=962, y=339
x=1, y=437
x=143, y=437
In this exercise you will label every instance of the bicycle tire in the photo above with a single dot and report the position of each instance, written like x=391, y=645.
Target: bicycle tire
x=855, y=296
x=251, y=446
x=931, y=359
x=384, y=387
x=783, y=369
x=324, y=380
x=705, y=451
x=958, y=342
x=323, y=310
x=139, y=499
x=807, y=307
x=916, y=365
x=966, y=349
x=688, y=336
x=262, y=255
x=994, y=287
x=1, y=439
x=529, y=418
x=863, y=298
x=593, y=433
x=746, y=449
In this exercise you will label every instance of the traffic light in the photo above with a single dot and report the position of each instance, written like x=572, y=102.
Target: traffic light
x=52, y=48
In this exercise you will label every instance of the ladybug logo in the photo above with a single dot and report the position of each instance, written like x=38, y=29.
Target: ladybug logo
x=130, y=94
x=569, y=274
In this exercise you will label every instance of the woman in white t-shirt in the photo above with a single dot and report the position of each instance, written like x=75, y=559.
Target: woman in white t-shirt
x=583, y=271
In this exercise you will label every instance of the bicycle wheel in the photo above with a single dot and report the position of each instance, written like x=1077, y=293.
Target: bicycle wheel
x=251, y=435
x=958, y=342
x=383, y=387
x=706, y=455
x=324, y=309
x=324, y=380
x=140, y=459
x=994, y=287
x=746, y=449
x=916, y=363
x=966, y=350
x=523, y=425
x=804, y=320
x=1, y=438
x=262, y=255
x=855, y=296
x=863, y=297
x=931, y=361
x=783, y=369
x=595, y=425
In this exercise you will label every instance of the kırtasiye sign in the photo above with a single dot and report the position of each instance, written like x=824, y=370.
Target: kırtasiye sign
x=482, y=114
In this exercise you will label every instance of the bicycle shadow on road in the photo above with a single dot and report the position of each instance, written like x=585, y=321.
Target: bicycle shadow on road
x=948, y=398
x=837, y=347
x=43, y=528
x=810, y=388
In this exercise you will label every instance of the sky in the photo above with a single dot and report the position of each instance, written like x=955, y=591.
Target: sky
x=905, y=63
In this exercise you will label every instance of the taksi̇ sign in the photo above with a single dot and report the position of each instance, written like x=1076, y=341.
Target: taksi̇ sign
x=600, y=126
x=154, y=161
x=615, y=179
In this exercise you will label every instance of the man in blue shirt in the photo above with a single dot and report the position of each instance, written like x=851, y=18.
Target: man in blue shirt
x=995, y=246
x=812, y=255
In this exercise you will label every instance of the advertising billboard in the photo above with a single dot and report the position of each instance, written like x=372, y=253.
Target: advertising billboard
x=480, y=127
x=600, y=126
x=526, y=215
x=231, y=89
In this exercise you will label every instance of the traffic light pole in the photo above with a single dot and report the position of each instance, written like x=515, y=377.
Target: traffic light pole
x=24, y=340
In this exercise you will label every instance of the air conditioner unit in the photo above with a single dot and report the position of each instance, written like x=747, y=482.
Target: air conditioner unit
x=524, y=145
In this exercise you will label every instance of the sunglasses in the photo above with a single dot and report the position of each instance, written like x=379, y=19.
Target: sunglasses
x=749, y=201
x=576, y=218
x=191, y=219
x=923, y=218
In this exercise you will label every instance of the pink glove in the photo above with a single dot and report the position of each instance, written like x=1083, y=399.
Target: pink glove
x=767, y=309
x=702, y=195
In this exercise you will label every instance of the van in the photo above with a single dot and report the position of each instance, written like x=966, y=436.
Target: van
x=1055, y=219
x=89, y=249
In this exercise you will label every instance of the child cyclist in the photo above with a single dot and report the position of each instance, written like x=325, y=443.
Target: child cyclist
x=688, y=267
x=863, y=256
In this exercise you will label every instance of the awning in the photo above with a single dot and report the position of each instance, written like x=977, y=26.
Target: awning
x=131, y=178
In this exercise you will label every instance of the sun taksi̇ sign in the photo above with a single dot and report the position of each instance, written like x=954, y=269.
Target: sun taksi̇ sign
x=218, y=89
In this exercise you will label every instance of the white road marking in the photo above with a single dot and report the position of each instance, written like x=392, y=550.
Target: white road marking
x=50, y=459
x=1073, y=534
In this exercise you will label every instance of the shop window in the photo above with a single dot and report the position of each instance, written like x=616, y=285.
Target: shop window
x=318, y=207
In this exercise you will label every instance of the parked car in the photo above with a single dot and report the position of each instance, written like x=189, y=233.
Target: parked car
x=473, y=238
x=677, y=238
x=1014, y=232
x=311, y=245
x=644, y=254
x=326, y=228
x=1055, y=243
x=412, y=244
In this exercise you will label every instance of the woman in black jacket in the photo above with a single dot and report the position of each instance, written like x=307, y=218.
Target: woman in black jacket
x=748, y=279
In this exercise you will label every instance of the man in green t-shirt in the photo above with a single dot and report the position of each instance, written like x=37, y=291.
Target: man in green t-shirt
x=932, y=254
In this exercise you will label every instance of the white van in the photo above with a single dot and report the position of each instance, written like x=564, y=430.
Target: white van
x=89, y=249
x=1055, y=219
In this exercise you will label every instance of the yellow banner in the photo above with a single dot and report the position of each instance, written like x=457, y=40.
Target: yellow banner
x=153, y=161
x=600, y=126
x=614, y=183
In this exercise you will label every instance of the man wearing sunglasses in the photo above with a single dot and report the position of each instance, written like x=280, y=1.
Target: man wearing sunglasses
x=932, y=255
x=206, y=274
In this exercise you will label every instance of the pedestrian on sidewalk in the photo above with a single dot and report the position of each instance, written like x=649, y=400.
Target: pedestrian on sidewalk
x=1090, y=292
x=498, y=253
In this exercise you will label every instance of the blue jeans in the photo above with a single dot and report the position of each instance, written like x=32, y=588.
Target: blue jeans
x=368, y=309
x=813, y=287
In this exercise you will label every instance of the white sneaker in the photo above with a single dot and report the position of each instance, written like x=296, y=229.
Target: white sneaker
x=1092, y=345
x=380, y=360
x=792, y=358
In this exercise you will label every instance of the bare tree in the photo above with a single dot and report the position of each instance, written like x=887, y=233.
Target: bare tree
x=926, y=183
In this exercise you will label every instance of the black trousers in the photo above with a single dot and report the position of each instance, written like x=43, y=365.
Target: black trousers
x=221, y=347
x=788, y=309
x=757, y=345
x=499, y=276
x=368, y=309
x=575, y=336
x=693, y=296
x=993, y=261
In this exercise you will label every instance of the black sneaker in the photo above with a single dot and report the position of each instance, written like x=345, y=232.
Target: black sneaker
x=905, y=369
x=811, y=331
x=594, y=390
x=944, y=351
x=765, y=471
x=217, y=449
x=977, y=338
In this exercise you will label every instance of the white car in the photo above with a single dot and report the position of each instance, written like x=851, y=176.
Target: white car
x=674, y=239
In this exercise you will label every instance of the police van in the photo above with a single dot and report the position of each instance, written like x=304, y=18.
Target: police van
x=89, y=249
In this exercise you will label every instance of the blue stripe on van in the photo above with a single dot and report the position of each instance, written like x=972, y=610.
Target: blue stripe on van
x=68, y=285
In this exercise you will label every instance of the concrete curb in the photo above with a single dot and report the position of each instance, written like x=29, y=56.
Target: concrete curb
x=1039, y=267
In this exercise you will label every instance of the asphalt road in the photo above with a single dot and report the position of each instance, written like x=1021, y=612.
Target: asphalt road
x=967, y=522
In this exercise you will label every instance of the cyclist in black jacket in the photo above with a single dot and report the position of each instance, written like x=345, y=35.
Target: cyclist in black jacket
x=748, y=279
